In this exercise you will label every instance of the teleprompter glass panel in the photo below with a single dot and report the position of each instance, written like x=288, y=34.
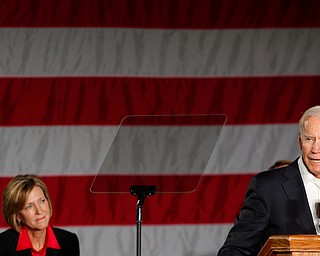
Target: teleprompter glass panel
x=170, y=152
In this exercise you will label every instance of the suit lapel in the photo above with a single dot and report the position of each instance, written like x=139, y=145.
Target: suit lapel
x=296, y=194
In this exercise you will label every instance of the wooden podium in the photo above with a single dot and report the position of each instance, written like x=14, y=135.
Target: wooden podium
x=291, y=245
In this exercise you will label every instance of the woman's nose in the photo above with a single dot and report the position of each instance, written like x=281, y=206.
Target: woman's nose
x=37, y=209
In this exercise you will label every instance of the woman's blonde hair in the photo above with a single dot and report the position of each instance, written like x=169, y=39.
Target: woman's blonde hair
x=15, y=195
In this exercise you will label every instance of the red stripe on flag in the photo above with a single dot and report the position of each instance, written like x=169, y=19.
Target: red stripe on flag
x=216, y=200
x=165, y=183
x=106, y=101
x=161, y=13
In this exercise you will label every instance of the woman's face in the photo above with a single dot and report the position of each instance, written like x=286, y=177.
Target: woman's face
x=35, y=214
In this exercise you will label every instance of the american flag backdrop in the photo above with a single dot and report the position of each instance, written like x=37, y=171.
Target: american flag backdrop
x=70, y=71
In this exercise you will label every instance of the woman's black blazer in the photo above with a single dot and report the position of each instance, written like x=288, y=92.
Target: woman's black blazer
x=68, y=242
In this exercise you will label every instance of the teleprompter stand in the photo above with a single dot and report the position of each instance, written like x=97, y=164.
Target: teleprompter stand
x=158, y=154
x=141, y=192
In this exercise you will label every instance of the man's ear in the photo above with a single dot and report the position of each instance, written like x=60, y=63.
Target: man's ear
x=299, y=141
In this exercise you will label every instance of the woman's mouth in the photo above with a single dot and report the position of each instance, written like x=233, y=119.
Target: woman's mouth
x=42, y=218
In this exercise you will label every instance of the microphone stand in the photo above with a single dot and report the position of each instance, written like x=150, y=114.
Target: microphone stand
x=141, y=191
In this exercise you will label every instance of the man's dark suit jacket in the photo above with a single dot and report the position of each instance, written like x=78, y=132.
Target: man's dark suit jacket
x=69, y=244
x=275, y=203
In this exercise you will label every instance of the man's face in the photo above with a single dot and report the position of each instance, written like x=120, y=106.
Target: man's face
x=309, y=142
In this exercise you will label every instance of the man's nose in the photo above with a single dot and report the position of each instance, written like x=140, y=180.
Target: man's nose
x=316, y=146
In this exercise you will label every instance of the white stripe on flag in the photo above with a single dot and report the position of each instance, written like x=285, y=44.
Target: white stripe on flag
x=166, y=53
x=55, y=150
x=171, y=240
